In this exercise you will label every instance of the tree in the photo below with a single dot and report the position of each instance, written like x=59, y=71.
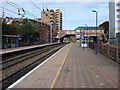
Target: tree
x=9, y=29
x=105, y=26
x=26, y=28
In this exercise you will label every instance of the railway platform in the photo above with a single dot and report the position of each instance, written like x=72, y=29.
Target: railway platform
x=10, y=50
x=72, y=67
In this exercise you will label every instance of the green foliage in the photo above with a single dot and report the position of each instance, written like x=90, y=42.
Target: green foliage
x=105, y=26
x=24, y=28
x=91, y=39
x=69, y=39
x=9, y=29
x=36, y=28
x=104, y=38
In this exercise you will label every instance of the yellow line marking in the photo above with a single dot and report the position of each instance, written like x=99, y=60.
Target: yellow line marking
x=53, y=83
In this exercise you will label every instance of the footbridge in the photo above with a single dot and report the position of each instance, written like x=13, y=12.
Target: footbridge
x=65, y=34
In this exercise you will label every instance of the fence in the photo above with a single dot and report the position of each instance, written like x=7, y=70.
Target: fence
x=112, y=51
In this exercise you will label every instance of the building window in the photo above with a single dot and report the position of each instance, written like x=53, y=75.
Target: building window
x=77, y=36
x=46, y=14
x=91, y=31
x=118, y=4
x=118, y=21
x=118, y=10
x=77, y=30
x=51, y=18
x=118, y=16
x=78, y=33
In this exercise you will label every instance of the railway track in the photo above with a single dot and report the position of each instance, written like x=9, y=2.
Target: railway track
x=20, y=58
x=15, y=68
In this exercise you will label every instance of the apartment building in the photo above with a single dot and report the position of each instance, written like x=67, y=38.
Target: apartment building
x=114, y=20
x=118, y=21
x=58, y=18
x=52, y=17
x=118, y=15
x=49, y=17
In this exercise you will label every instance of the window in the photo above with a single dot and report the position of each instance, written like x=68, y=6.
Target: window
x=51, y=21
x=78, y=33
x=118, y=16
x=77, y=36
x=51, y=11
x=118, y=4
x=51, y=18
x=118, y=10
x=118, y=21
x=77, y=30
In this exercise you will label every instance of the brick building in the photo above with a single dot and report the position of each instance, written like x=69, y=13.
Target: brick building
x=44, y=32
x=53, y=18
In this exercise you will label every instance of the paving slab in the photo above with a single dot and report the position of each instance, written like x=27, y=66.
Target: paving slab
x=44, y=75
x=84, y=69
x=73, y=67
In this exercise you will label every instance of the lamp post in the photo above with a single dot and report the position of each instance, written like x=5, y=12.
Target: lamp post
x=51, y=28
x=87, y=34
x=96, y=31
x=59, y=36
x=83, y=38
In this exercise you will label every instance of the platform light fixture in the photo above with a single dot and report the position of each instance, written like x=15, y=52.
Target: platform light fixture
x=96, y=30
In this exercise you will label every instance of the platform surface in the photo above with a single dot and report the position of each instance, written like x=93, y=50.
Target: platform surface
x=73, y=67
x=9, y=50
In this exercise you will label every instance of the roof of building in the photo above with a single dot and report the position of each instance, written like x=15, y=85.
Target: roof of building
x=88, y=28
x=37, y=19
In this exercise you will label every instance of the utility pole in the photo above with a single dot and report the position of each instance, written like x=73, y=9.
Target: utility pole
x=83, y=38
x=3, y=13
x=87, y=34
x=96, y=31
x=59, y=36
x=51, y=29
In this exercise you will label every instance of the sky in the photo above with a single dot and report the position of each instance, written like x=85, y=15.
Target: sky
x=75, y=14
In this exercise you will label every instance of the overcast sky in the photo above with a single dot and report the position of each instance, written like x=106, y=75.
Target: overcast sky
x=74, y=13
